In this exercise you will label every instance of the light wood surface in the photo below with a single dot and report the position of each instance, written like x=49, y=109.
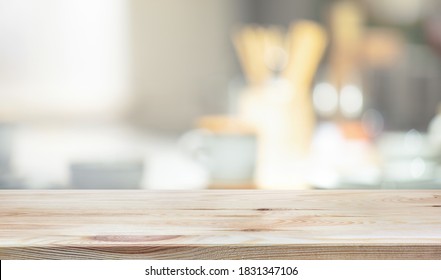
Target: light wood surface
x=220, y=224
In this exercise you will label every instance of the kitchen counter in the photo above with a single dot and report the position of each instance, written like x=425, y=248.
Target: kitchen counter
x=220, y=224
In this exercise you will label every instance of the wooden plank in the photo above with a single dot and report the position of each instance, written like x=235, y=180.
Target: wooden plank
x=220, y=224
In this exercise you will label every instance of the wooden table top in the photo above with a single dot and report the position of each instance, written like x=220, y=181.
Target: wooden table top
x=220, y=224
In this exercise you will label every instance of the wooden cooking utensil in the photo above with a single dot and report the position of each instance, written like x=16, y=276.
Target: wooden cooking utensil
x=306, y=44
x=346, y=21
x=287, y=125
x=280, y=109
x=249, y=44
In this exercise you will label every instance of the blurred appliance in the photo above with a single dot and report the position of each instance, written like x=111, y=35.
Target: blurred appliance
x=6, y=131
x=107, y=175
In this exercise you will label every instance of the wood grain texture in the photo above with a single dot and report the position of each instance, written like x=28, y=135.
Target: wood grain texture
x=220, y=224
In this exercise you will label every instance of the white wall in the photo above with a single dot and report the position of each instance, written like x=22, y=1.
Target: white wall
x=63, y=59
x=183, y=59
x=163, y=62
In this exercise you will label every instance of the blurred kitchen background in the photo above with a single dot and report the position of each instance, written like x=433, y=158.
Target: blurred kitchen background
x=156, y=94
